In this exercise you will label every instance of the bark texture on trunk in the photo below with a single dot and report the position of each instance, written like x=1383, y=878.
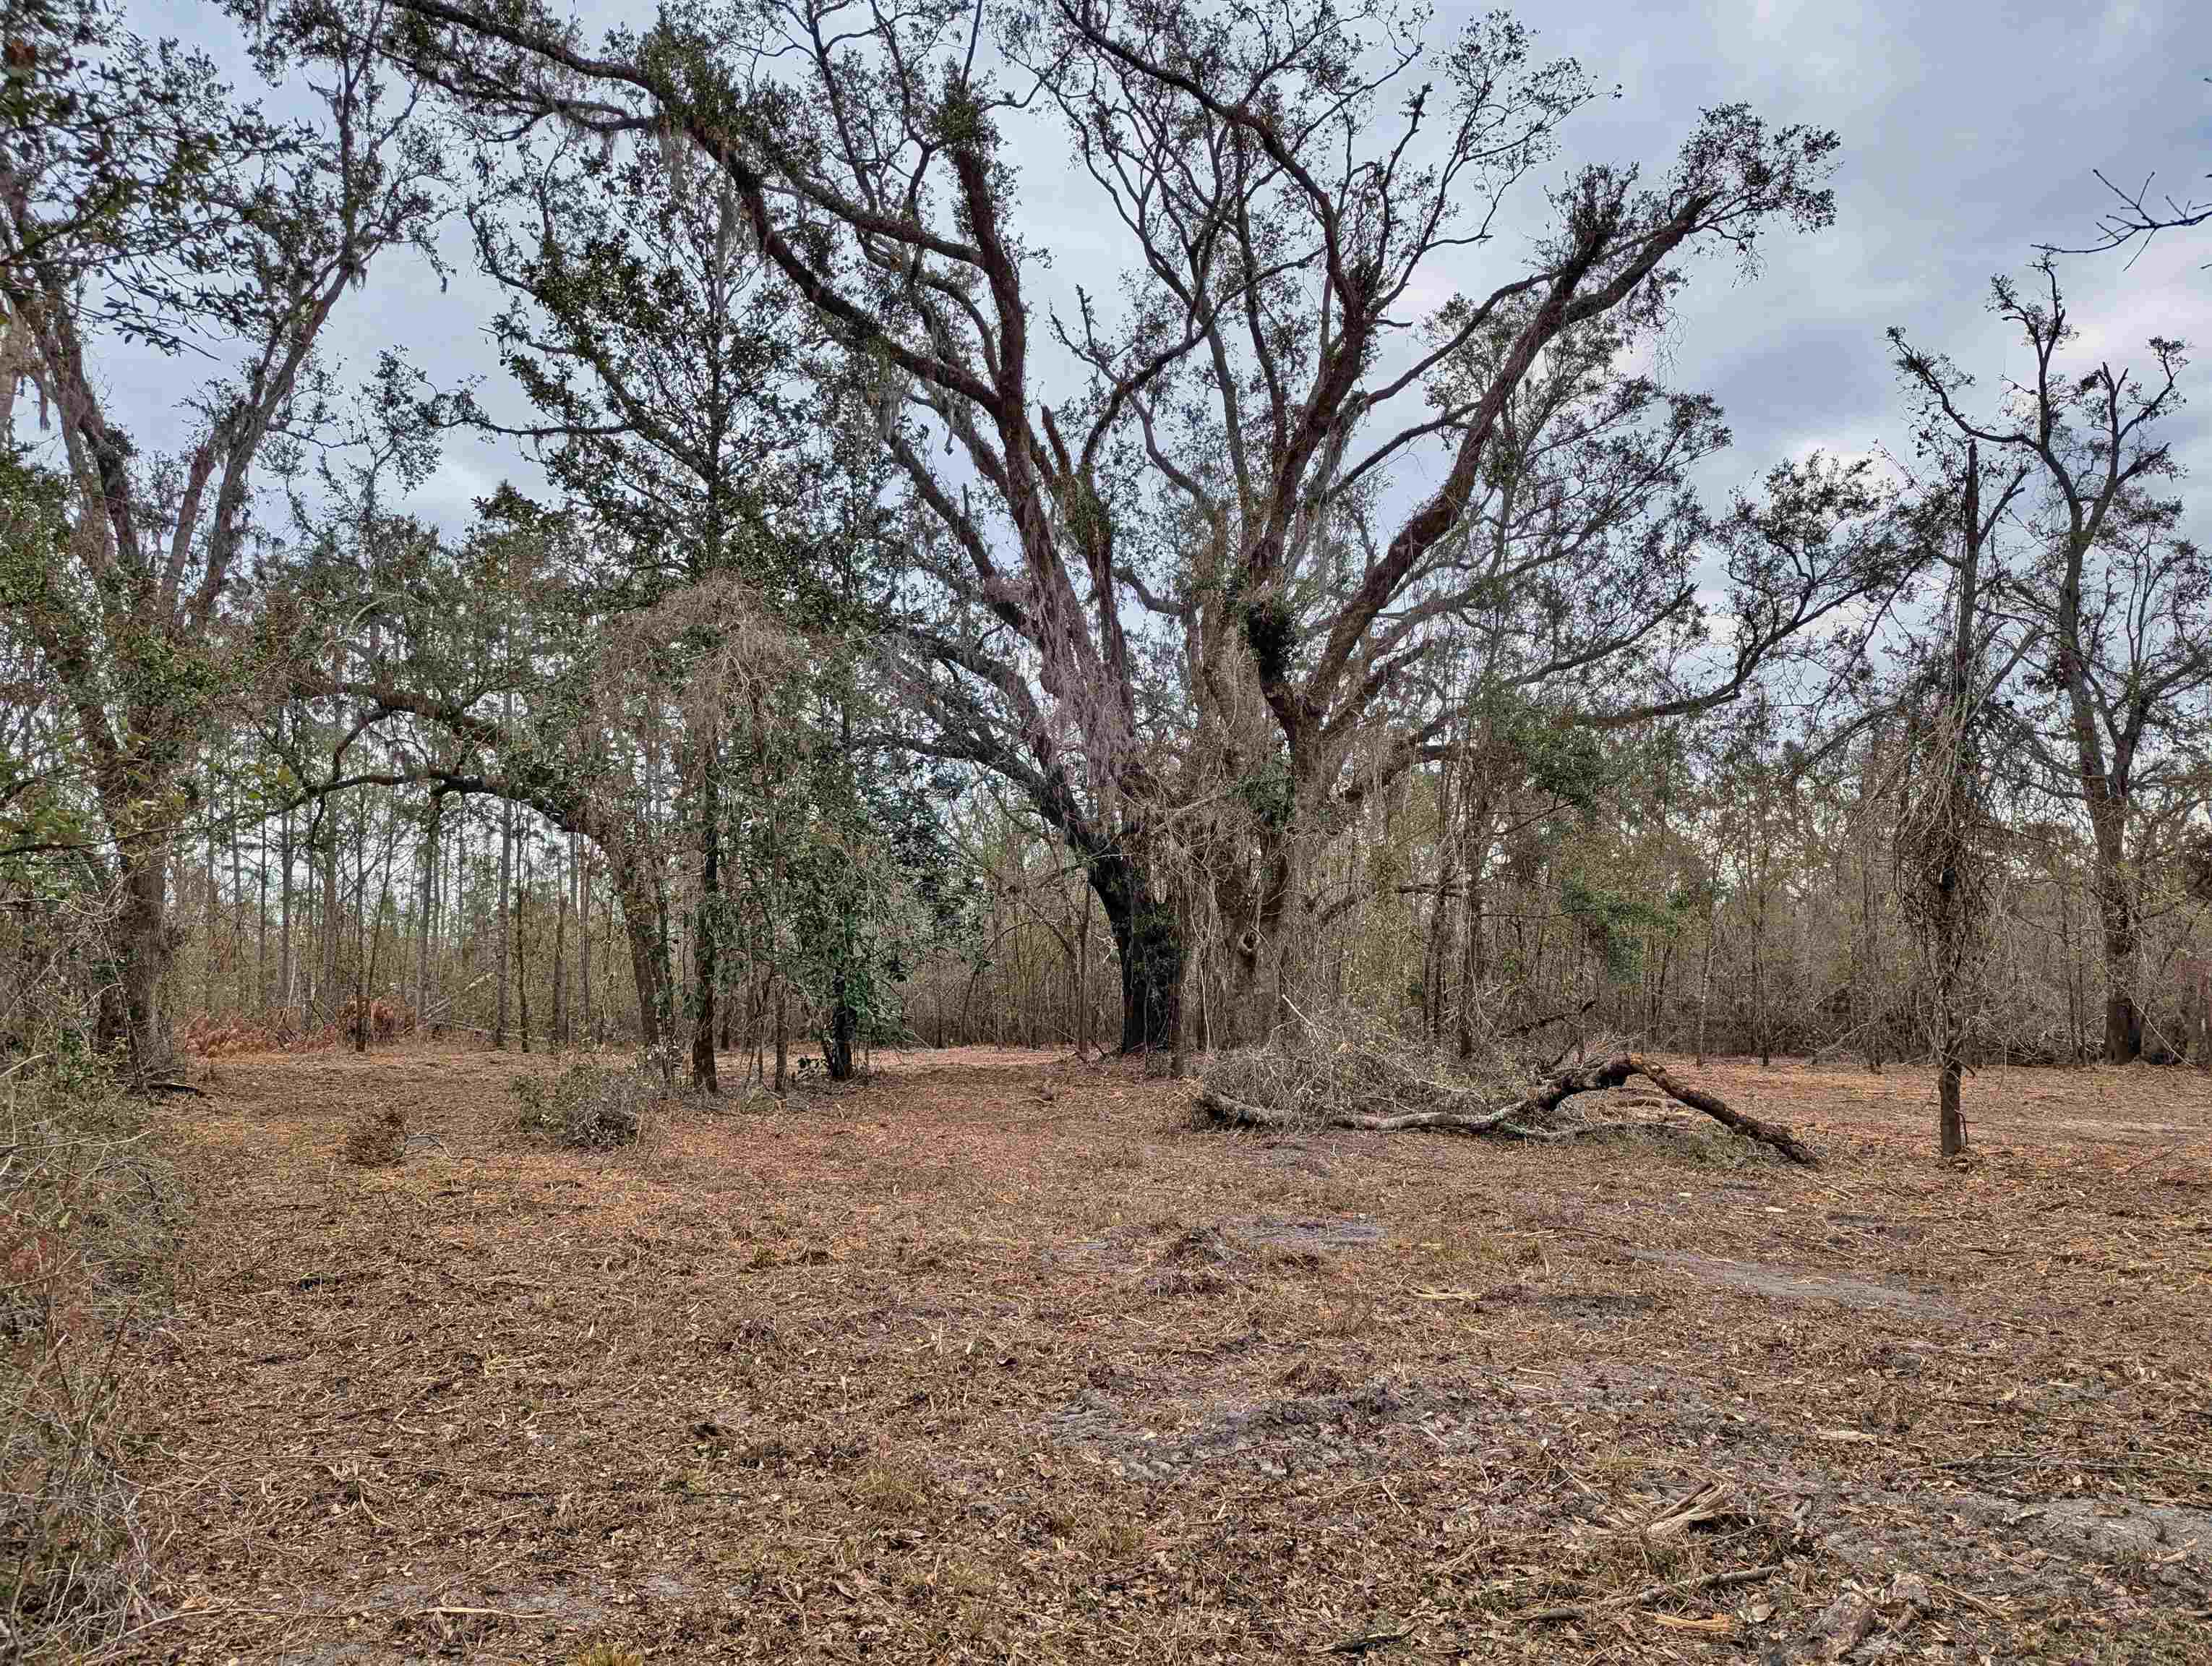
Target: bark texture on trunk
x=2124, y=1024
x=1950, y=1116
x=648, y=963
x=1151, y=941
x=132, y=1016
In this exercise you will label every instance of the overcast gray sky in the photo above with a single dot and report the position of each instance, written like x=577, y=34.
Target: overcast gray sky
x=1970, y=133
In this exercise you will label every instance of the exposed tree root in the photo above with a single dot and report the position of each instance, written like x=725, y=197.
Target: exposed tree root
x=1513, y=1120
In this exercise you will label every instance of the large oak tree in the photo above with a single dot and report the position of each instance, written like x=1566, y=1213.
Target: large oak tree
x=1173, y=532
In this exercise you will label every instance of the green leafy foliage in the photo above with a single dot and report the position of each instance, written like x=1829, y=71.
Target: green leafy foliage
x=1614, y=923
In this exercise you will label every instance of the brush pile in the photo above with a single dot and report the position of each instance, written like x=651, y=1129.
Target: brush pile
x=590, y=1106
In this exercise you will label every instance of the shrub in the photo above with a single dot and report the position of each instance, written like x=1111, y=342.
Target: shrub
x=587, y=1107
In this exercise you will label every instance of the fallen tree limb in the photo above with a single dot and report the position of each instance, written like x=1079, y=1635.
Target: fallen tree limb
x=1512, y=1120
x=1237, y=1113
x=1767, y=1133
x=1742, y=1576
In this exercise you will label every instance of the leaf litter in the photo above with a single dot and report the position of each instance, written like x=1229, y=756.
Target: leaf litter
x=997, y=1356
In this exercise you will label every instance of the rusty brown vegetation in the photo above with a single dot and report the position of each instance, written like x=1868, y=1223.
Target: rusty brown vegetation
x=997, y=1356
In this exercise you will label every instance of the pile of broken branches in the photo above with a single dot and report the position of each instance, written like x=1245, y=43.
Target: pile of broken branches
x=1349, y=1077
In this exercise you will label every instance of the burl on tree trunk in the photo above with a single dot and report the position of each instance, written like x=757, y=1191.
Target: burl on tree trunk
x=1508, y=1119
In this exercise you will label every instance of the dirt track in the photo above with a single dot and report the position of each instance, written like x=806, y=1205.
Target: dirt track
x=996, y=1358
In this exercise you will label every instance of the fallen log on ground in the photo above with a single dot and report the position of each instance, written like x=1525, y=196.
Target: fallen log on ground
x=1513, y=1120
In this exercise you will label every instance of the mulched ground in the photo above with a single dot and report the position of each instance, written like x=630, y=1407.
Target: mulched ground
x=997, y=1357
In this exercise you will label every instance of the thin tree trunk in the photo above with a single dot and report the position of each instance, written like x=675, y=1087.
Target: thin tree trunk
x=261, y=927
x=837, y=1050
x=1473, y=971
x=708, y=926
x=237, y=923
x=557, y=1030
x=375, y=951
x=521, y=937
x=212, y=967
x=1870, y=939
x=584, y=941
x=782, y=1029
x=1758, y=977
x=284, y=921
x=464, y=932
x=1082, y=979
x=429, y=913
x=361, y=937
x=1705, y=982
x=505, y=932
x=330, y=915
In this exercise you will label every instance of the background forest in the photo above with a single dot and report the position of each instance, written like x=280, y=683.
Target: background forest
x=1334, y=595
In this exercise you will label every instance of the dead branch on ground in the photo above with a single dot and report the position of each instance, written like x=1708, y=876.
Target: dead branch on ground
x=1518, y=1118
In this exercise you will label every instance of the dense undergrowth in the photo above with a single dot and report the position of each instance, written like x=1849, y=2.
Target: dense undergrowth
x=88, y=1237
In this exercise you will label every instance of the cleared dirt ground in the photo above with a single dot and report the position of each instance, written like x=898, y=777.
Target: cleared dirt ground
x=996, y=1358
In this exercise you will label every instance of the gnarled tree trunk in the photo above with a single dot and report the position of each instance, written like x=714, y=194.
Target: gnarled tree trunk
x=133, y=1016
x=1267, y=952
x=1151, y=941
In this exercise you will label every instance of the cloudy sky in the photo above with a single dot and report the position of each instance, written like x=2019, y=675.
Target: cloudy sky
x=1971, y=130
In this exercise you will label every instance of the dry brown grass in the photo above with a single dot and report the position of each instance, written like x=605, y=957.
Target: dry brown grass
x=87, y=1248
x=941, y=1368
